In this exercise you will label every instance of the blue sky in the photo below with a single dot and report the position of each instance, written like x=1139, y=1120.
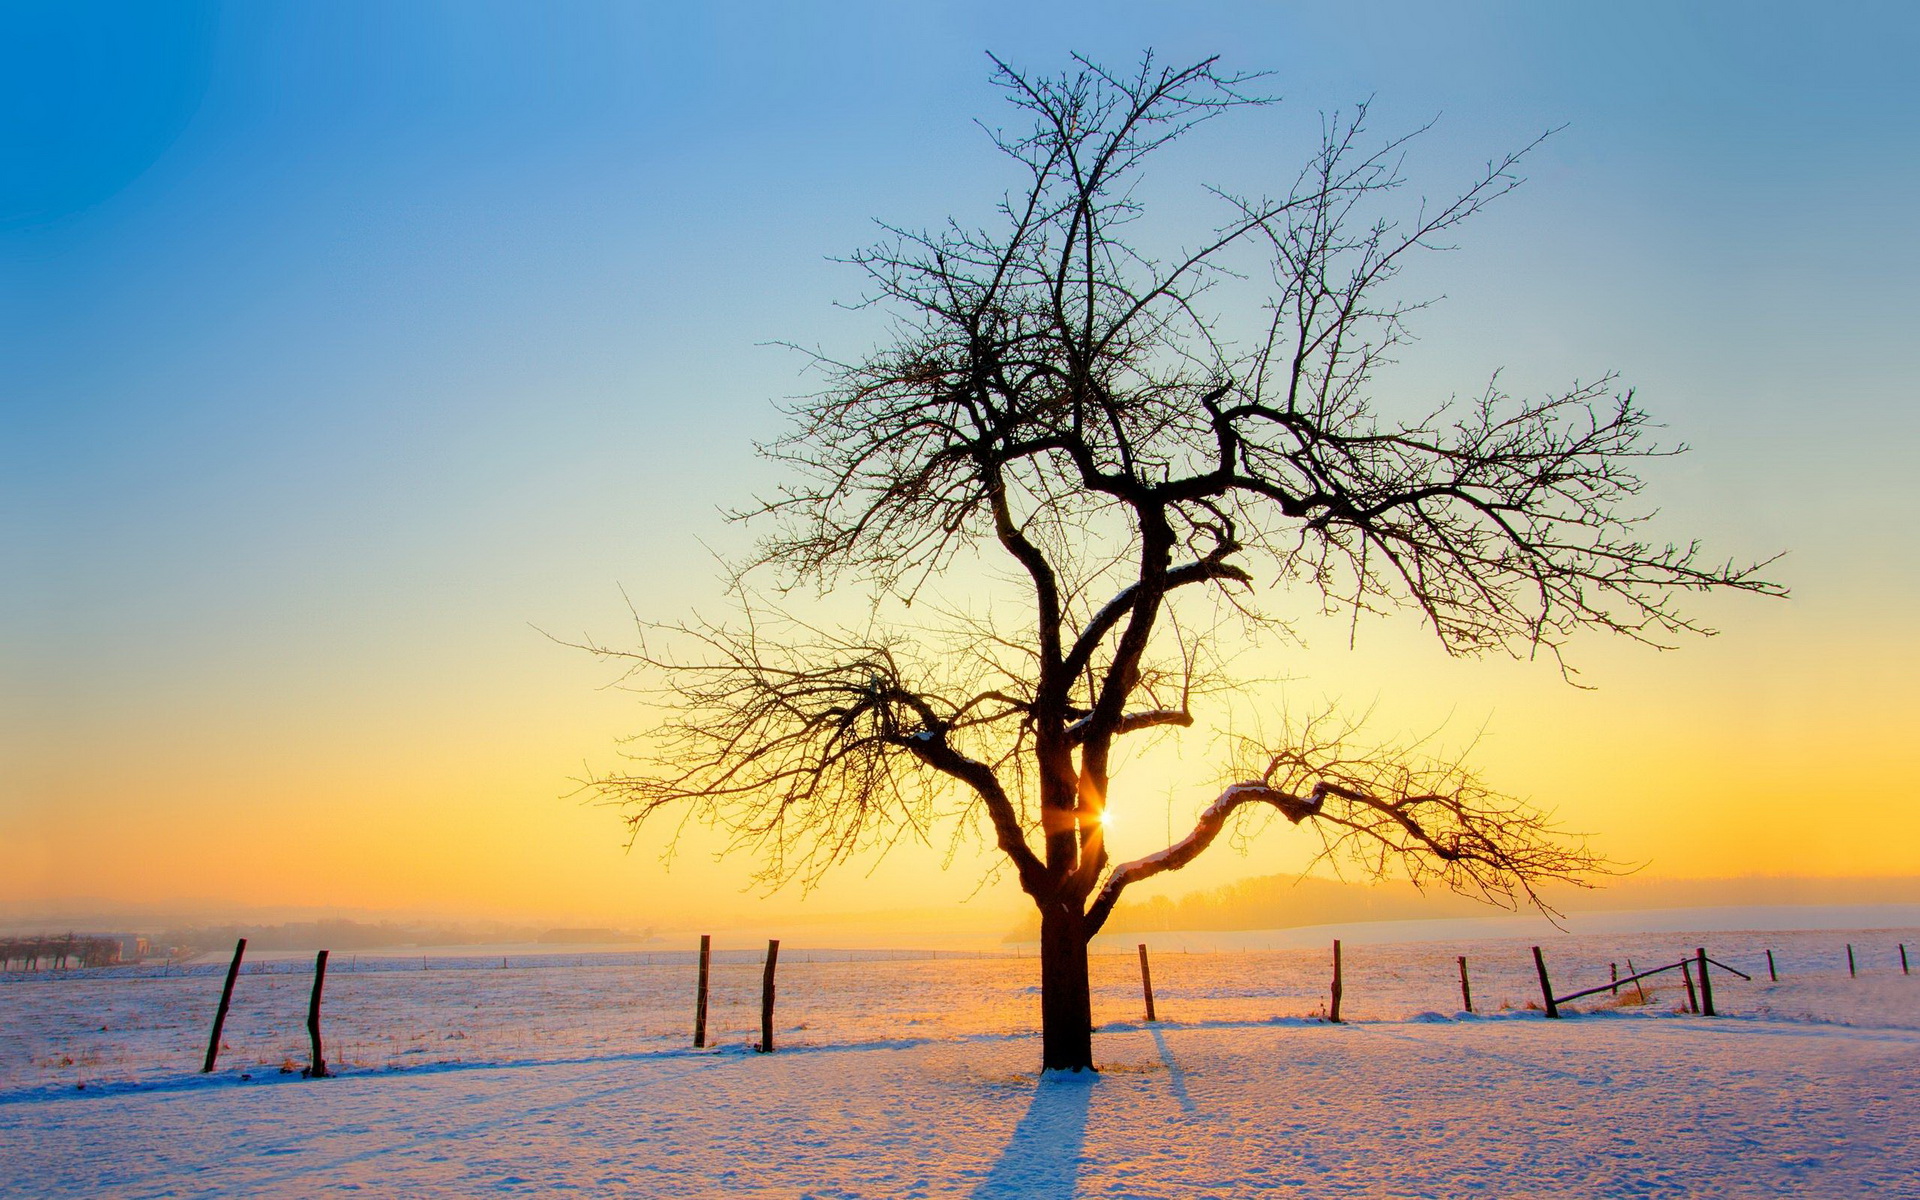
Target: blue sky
x=344, y=344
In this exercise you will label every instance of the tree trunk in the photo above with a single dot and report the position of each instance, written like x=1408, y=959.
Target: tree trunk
x=1066, y=1008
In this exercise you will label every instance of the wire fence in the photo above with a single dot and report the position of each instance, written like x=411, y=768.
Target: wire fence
x=141, y=1021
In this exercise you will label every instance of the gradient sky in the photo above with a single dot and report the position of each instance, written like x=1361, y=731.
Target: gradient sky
x=346, y=347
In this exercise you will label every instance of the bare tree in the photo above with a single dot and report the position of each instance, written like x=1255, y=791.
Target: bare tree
x=1142, y=450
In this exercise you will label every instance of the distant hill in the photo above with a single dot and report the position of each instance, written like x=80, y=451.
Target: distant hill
x=1290, y=901
x=591, y=936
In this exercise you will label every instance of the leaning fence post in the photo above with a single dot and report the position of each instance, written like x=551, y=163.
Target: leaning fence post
x=1466, y=990
x=766, y=998
x=226, y=999
x=1636, y=981
x=1903, y=959
x=1851, y=973
x=1773, y=976
x=1546, y=986
x=1686, y=973
x=319, y=1068
x=1706, y=984
x=700, y=998
x=1334, y=1014
x=1146, y=980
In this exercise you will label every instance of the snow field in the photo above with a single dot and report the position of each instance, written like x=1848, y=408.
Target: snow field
x=1518, y=1107
x=902, y=1078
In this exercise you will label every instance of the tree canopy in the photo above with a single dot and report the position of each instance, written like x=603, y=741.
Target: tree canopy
x=1148, y=450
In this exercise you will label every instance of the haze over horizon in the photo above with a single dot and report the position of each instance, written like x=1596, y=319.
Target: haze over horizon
x=354, y=347
x=1271, y=902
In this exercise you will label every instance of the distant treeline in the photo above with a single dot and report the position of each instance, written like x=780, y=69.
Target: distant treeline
x=362, y=935
x=58, y=951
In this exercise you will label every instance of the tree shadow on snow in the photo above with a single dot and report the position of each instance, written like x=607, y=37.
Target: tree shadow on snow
x=1043, y=1159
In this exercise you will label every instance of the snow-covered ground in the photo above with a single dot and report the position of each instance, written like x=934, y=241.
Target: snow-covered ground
x=902, y=1076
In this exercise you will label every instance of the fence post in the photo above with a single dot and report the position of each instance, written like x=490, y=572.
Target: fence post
x=1466, y=990
x=1632, y=970
x=700, y=998
x=766, y=998
x=1686, y=973
x=319, y=1068
x=226, y=999
x=1903, y=959
x=1773, y=976
x=1613, y=973
x=1146, y=980
x=1546, y=985
x=1333, y=1016
x=1851, y=973
x=1706, y=984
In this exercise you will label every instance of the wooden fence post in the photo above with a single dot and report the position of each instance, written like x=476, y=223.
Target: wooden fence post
x=319, y=1068
x=1903, y=959
x=1546, y=985
x=1706, y=983
x=1851, y=973
x=1686, y=973
x=1613, y=972
x=766, y=998
x=1333, y=1015
x=700, y=999
x=226, y=999
x=1773, y=976
x=1636, y=983
x=1146, y=980
x=1466, y=990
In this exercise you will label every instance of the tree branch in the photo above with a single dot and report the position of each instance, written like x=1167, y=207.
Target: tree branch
x=1385, y=810
x=1205, y=830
